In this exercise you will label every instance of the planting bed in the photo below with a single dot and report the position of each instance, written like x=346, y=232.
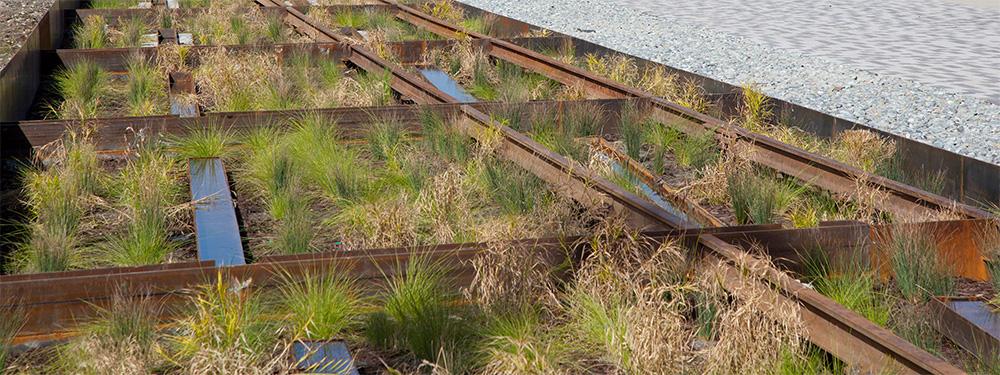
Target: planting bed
x=404, y=185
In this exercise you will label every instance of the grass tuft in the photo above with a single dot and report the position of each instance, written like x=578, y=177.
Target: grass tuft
x=225, y=331
x=92, y=32
x=202, y=142
x=321, y=306
x=918, y=268
x=758, y=198
x=148, y=189
x=81, y=87
x=144, y=88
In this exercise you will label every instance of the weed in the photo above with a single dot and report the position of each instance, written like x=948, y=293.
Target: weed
x=321, y=306
x=81, y=87
x=910, y=321
x=661, y=138
x=559, y=137
x=92, y=32
x=444, y=9
x=988, y=241
x=920, y=271
x=851, y=283
x=759, y=198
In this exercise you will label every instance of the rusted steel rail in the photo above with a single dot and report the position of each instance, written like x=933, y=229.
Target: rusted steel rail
x=114, y=133
x=809, y=168
x=563, y=175
x=50, y=310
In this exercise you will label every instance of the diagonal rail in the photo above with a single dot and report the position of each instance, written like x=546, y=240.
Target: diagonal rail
x=826, y=173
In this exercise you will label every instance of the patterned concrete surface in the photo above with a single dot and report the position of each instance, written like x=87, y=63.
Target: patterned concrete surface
x=953, y=45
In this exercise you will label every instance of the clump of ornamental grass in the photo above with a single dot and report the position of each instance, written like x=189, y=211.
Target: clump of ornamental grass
x=226, y=23
x=481, y=24
x=560, y=136
x=446, y=213
x=82, y=87
x=513, y=188
x=445, y=10
x=11, y=322
x=910, y=322
x=145, y=90
x=148, y=188
x=632, y=126
x=851, y=282
x=226, y=331
x=131, y=32
x=919, y=270
x=91, y=32
x=419, y=305
x=653, y=79
x=519, y=342
x=275, y=175
x=378, y=222
x=58, y=200
x=759, y=198
x=208, y=141
x=122, y=339
x=321, y=306
x=385, y=139
x=863, y=149
x=690, y=151
x=375, y=89
x=226, y=86
x=339, y=171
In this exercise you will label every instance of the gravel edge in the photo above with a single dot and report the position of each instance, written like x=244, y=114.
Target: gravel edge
x=18, y=19
x=962, y=124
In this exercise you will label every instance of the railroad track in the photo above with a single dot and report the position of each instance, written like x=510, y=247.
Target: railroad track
x=832, y=327
x=840, y=331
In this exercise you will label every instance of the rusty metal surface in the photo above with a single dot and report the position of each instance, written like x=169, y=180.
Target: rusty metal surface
x=969, y=322
x=955, y=242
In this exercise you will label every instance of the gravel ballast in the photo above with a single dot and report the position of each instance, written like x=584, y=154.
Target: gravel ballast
x=17, y=19
x=963, y=124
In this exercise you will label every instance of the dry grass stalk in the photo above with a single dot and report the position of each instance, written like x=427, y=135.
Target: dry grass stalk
x=863, y=149
x=754, y=326
x=509, y=278
x=713, y=184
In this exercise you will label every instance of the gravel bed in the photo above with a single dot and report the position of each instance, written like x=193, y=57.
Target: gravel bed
x=962, y=124
x=17, y=19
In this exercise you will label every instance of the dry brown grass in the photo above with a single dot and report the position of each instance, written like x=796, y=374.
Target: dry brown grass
x=712, y=185
x=862, y=149
x=753, y=326
x=510, y=278
x=653, y=79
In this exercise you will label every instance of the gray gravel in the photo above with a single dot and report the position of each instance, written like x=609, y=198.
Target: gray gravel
x=17, y=19
x=963, y=124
